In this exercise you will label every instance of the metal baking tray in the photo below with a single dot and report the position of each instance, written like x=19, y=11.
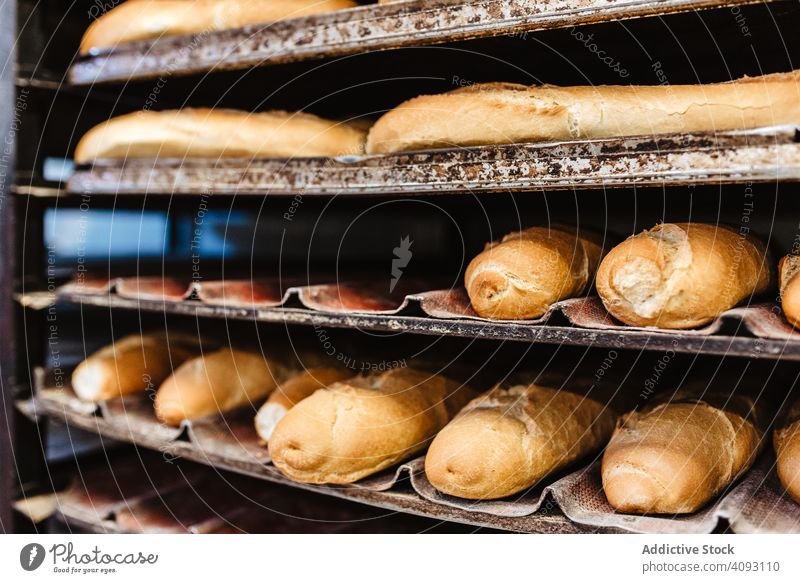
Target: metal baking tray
x=761, y=155
x=570, y=502
x=754, y=331
x=365, y=28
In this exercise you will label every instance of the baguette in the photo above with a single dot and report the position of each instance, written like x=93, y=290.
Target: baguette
x=676, y=456
x=218, y=133
x=789, y=284
x=507, y=113
x=131, y=365
x=507, y=440
x=786, y=440
x=526, y=272
x=215, y=383
x=355, y=428
x=681, y=275
x=137, y=20
x=291, y=392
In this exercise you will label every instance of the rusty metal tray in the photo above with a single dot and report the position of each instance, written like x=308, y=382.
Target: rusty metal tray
x=365, y=28
x=760, y=155
x=757, y=330
x=571, y=502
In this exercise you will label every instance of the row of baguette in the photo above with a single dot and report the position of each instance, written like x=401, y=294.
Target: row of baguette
x=480, y=114
x=324, y=425
x=671, y=276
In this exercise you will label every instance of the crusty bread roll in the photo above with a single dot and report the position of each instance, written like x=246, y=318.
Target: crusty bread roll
x=507, y=440
x=786, y=439
x=789, y=284
x=355, y=428
x=131, y=365
x=215, y=383
x=526, y=272
x=218, y=133
x=675, y=457
x=506, y=113
x=136, y=20
x=681, y=275
x=290, y=392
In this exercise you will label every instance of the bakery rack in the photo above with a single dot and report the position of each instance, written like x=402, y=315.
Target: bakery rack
x=509, y=184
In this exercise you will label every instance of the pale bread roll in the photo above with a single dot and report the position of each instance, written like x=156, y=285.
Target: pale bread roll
x=507, y=440
x=675, y=457
x=131, y=365
x=786, y=439
x=789, y=284
x=507, y=113
x=137, y=20
x=681, y=275
x=526, y=272
x=355, y=428
x=217, y=382
x=218, y=133
x=292, y=391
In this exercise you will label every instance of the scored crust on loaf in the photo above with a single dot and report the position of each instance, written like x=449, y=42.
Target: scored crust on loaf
x=507, y=440
x=507, y=113
x=675, y=457
x=520, y=276
x=681, y=275
x=355, y=428
x=137, y=20
x=218, y=133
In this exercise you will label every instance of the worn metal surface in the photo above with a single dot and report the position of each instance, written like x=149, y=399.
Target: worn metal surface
x=730, y=335
x=372, y=27
x=762, y=155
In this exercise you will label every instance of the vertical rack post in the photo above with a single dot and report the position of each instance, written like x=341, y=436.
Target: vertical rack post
x=8, y=66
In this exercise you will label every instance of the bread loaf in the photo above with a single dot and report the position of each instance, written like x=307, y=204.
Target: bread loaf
x=789, y=284
x=786, y=439
x=507, y=440
x=526, y=272
x=131, y=365
x=292, y=391
x=215, y=383
x=137, y=20
x=354, y=428
x=506, y=113
x=681, y=275
x=673, y=458
x=218, y=133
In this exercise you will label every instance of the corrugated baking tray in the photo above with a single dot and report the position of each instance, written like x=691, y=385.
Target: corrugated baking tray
x=572, y=502
x=366, y=28
x=757, y=330
x=760, y=155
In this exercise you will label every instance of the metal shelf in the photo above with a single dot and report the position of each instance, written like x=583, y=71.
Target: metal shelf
x=366, y=28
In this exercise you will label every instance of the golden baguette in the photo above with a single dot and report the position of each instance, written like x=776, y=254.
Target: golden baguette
x=786, y=440
x=137, y=20
x=507, y=113
x=673, y=458
x=507, y=440
x=681, y=275
x=526, y=272
x=131, y=365
x=789, y=284
x=218, y=133
x=217, y=382
x=355, y=428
